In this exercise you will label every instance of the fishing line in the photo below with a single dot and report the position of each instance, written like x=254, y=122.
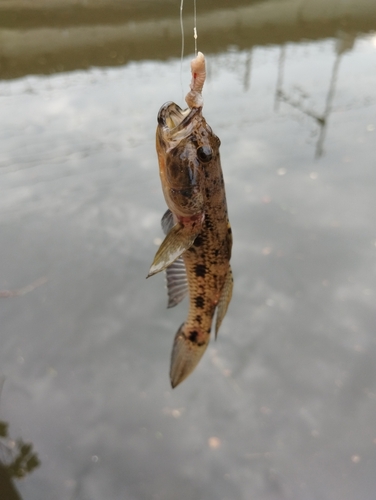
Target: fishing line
x=182, y=46
x=195, y=26
x=182, y=31
x=195, y=36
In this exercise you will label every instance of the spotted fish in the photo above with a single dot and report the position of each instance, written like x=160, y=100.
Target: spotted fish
x=196, y=251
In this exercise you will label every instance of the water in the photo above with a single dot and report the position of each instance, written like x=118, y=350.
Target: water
x=282, y=406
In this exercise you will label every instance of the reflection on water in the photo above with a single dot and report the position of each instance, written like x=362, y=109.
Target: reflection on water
x=344, y=43
x=44, y=38
x=17, y=459
x=283, y=405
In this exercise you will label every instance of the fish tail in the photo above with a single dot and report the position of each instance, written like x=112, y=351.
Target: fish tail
x=188, y=348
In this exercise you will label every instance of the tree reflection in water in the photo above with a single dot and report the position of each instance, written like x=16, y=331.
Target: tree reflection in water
x=17, y=459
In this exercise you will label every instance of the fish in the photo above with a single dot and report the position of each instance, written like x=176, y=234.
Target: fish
x=196, y=250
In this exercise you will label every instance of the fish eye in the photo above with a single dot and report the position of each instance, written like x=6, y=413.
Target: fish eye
x=204, y=153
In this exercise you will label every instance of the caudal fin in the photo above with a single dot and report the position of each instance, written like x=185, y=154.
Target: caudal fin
x=186, y=353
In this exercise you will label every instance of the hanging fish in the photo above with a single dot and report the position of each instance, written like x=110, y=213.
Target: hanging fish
x=196, y=251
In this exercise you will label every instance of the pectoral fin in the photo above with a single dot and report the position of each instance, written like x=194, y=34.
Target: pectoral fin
x=177, y=241
x=167, y=221
x=224, y=300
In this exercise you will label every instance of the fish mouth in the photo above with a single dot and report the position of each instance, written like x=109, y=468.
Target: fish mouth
x=174, y=122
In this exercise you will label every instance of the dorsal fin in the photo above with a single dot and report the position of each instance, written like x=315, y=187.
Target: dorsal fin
x=176, y=274
x=224, y=300
x=177, y=282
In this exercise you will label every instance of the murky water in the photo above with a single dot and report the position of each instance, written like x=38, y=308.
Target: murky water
x=283, y=405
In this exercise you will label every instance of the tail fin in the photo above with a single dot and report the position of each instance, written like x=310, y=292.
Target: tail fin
x=186, y=353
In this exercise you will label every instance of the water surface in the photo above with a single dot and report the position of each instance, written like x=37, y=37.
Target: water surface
x=282, y=406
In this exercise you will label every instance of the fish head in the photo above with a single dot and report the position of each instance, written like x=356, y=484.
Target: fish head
x=186, y=147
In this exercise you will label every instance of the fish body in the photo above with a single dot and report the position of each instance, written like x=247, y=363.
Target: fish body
x=196, y=251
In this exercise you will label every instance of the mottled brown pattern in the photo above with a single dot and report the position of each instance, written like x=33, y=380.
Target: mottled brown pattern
x=207, y=263
x=192, y=182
